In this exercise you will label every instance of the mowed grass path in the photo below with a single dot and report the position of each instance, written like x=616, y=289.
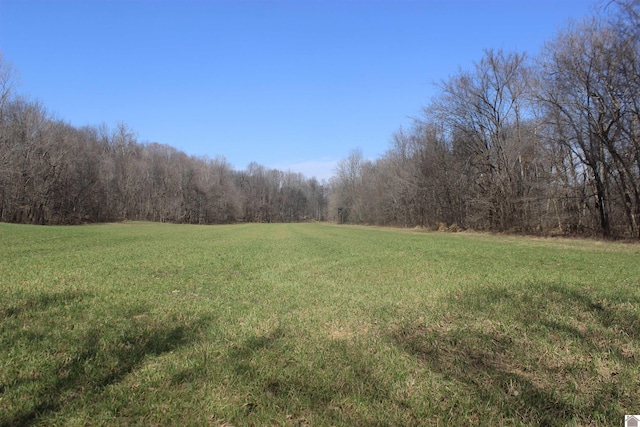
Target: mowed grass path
x=314, y=324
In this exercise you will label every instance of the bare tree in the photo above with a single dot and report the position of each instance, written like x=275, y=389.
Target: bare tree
x=589, y=96
x=8, y=83
x=346, y=200
x=484, y=112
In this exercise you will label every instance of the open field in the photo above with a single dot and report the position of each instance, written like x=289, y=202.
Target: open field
x=314, y=324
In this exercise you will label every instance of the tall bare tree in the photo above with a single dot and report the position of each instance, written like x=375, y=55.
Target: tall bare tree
x=591, y=104
x=484, y=112
x=346, y=201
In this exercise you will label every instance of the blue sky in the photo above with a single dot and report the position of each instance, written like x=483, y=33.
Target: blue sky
x=293, y=85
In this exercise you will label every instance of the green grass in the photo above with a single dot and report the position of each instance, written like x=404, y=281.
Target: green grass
x=314, y=324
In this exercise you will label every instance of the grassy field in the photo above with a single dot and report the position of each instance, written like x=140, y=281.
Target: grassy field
x=314, y=324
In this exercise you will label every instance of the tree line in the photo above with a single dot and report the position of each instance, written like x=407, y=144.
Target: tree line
x=547, y=145
x=544, y=145
x=55, y=173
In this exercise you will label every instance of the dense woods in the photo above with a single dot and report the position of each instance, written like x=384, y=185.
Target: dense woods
x=546, y=145
x=54, y=173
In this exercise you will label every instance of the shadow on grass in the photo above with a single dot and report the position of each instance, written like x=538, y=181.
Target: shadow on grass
x=319, y=386
x=543, y=354
x=101, y=356
x=41, y=302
